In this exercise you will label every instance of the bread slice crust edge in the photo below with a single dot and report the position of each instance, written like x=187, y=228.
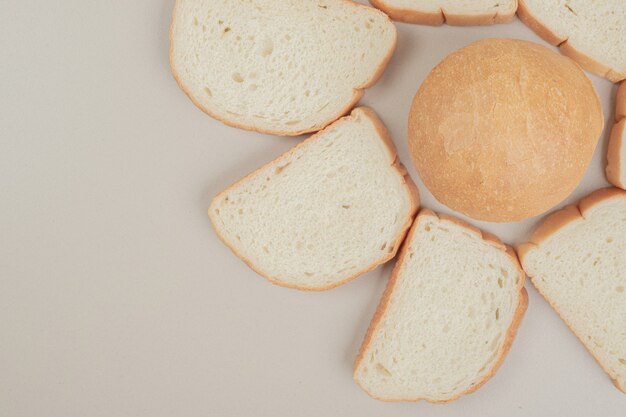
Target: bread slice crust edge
x=358, y=91
x=385, y=299
x=440, y=17
x=585, y=61
x=551, y=225
x=615, y=150
x=396, y=165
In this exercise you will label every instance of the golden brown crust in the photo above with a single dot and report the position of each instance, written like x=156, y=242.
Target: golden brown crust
x=395, y=164
x=615, y=149
x=440, y=17
x=584, y=60
x=486, y=143
x=598, y=197
x=382, y=307
x=358, y=91
x=551, y=225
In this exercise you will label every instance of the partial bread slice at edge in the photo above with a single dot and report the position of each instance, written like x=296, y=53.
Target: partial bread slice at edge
x=340, y=107
x=590, y=64
x=518, y=313
x=549, y=228
x=616, y=154
x=444, y=15
x=358, y=115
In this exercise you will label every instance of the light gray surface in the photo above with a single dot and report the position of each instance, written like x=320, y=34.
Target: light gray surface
x=116, y=297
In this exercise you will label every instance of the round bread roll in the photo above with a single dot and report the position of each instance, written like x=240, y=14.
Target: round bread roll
x=503, y=129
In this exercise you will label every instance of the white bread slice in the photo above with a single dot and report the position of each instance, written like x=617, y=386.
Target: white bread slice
x=616, y=155
x=335, y=206
x=590, y=32
x=285, y=67
x=577, y=260
x=452, y=12
x=448, y=316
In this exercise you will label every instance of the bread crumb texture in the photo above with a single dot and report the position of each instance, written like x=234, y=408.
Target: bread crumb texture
x=322, y=213
x=579, y=266
x=278, y=66
x=591, y=32
x=444, y=322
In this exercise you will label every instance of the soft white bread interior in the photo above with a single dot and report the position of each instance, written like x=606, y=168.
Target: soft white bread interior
x=616, y=155
x=453, y=12
x=448, y=316
x=333, y=207
x=590, y=32
x=278, y=66
x=577, y=260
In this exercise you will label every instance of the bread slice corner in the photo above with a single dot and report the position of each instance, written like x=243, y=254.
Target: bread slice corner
x=591, y=33
x=453, y=289
x=456, y=13
x=576, y=258
x=332, y=208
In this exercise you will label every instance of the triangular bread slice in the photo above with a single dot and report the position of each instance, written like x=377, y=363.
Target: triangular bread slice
x=590, y=32
x=616, y=155
x=448, y=316
x=284, y=67
x=335, y=206
x=452, y=12
x=577, y=260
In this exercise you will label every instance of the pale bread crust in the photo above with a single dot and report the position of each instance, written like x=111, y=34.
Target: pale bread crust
x=620, y=102
x=560, y=218
x=395, y=165
x=566, y=49
x=358, y=91
x=382, y=306
x=551, y=225
x=439, y=18
x=615, y=150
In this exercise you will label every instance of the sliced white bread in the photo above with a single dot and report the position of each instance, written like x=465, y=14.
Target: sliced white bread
x=590, y=32
x=278, y=66
x=448, y=316
x=616, y=155
x=577, y=260
x=332, y=208
x=452, y=12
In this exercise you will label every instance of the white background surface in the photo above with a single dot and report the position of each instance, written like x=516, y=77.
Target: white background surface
x=116, y=297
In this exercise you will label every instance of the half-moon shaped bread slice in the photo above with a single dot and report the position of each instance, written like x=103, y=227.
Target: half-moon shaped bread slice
x=278, y=66
x=335, y=206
